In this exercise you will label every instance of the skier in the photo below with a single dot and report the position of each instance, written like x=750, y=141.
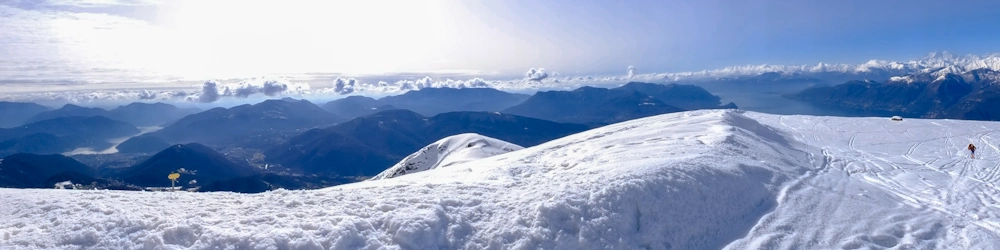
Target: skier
x=972, y=148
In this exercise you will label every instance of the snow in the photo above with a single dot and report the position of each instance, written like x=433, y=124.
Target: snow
x=693, y=180
x=932, y=63
x=449, y=151
x=907, y=78
x=943, y=72
x=64, y=185
x=888, y=184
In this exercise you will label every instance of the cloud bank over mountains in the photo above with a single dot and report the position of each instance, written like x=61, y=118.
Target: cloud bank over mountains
x=534, y=79
x=211, y=90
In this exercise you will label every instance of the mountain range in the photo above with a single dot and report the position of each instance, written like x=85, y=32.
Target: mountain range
x=67, y=111
x=62, y=134
x=600, y=106
x=356, y=106
x=136, y=113
x=937, y=63
x=149, y=114
x=302, y=145
x=17, y=113
x=368, y=145
x=256, y=125
x=428, y=101
x=971, y=95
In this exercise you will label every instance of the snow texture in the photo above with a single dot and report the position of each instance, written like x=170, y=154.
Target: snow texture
x=449, y=151
x=691, y=180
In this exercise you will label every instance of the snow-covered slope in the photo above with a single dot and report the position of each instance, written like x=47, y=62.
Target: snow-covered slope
x=691, y=180
x=449, y=151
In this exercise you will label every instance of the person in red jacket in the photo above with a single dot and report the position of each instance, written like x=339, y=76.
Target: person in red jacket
x=972, y=148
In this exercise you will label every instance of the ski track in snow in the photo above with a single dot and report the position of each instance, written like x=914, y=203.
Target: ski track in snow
x=692, y=180
x=943, y=198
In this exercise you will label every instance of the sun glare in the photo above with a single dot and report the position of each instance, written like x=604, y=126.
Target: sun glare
x=212, y=38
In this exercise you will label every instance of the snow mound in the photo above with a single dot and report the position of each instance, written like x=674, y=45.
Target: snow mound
x=449, y=151
x=710, y=179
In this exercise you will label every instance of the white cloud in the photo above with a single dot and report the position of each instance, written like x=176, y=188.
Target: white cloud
x=344, y=86
x=99, y=96
x=476, y=83
x=147, y=95
x=536, y=75
x=266, y=86
x=351, y=86
x=209, y=92
x=52, y=44
x=212, y=90
x=378, y=85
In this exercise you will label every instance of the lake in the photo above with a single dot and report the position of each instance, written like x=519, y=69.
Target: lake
x=769, y=100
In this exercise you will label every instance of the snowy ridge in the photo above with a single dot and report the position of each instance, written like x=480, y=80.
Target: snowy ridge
x=979, y=76
x=907, y=78
x=449, y=151
x=705, y=179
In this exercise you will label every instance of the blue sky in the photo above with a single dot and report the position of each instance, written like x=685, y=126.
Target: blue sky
x=145, y=42
x=675, y=36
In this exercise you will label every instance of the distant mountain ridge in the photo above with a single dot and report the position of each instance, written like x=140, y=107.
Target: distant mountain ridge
x=17, y=113
x=42, y=143
x=428, y=101
x=937, y=63
x=688, y=97
x=63, y=134
x=598, y=106
x=368, y=145
x=136, y=113
x=67, y=111
x=970, y=95
x=149, y=114
x=590, y=105
x=97, y=127
x=220, y=126
x=356, y=106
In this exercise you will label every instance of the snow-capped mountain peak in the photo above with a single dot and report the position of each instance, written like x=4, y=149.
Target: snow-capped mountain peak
x=951, y=69
x=449, y=151
x=932, y=63
x=906, y=78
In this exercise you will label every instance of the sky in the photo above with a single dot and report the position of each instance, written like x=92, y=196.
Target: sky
x=98, y=44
